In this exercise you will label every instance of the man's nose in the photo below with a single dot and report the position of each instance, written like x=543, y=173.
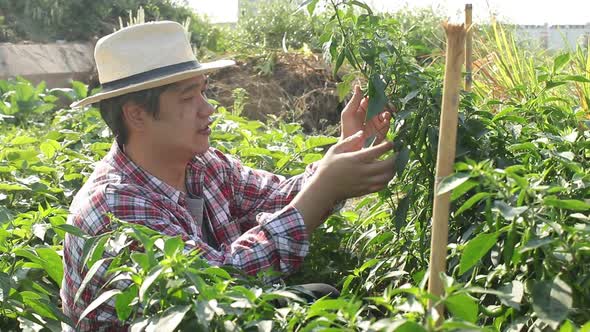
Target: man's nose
x=207, y=109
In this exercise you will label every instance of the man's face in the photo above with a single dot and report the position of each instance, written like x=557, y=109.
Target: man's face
x=183, y=124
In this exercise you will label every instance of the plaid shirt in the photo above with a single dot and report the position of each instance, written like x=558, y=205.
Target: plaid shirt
x=248, y=209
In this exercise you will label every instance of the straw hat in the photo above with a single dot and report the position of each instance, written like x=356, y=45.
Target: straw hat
x=145, y=56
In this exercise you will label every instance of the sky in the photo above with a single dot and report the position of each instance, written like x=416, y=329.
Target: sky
x=515, y=11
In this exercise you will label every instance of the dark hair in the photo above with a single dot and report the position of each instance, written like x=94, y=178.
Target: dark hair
x=111, y=109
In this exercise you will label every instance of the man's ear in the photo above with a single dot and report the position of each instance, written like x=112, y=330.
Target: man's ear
x=134, y=116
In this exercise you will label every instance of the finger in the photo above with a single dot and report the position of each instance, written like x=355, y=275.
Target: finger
x=386, y=116
x=380, y=167
x=372, y=153
x=378, y=187
x=351, y=143
x=363, y=106
x=354, y=102
x=382, y=178
x=378, y=127
x=382, y=130
x=381, y=134
x=371, y=189
x=379, y=119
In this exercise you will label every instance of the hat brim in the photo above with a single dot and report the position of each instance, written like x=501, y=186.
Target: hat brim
x=204, y=68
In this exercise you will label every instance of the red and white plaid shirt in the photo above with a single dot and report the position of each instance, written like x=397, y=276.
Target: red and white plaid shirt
x=248, y=210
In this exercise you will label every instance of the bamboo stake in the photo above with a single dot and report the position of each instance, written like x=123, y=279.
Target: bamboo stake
x=468, y=47
x=445, y=157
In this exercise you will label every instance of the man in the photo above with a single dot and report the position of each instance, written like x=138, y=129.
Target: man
x=161, y=171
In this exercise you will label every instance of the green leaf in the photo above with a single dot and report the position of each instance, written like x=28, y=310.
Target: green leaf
x=42, y=108
x=7, y=187
x=80, y=90
x=567, y=326
x=513, y=294
x=28, y=253
x=309, y=4
x=377, y=102
x=475, y=249
x=40, y=307
x=169, y=319
x=507, y=211
x=401, y=213
x=52, y=263
x=141, y=259
x=552, y=301
x=401, y=160
x=173, y=245
x=311, y=157
x=320, y=307
x=569, y=204
x=22, y=140
x=4, y=286
x=72, y=230
x=471, y=201
x=536, y=243
x=560, y=61
x=362, y=5
x=217, y=271
x=451, y=182
x=463, y=306
x=99, y=300
x=149, y=280
x=377, y=98
x=317, y=141
x=56, y=313
x=463, y=188
x=367, y=51
x=5, y=216
x=339, y=62
x=89, y=275
x=123, y=301
x=343, y=89
x=553, y=84
x=49, y=147
x=410, y=96
x=93, y=249
x=574, y=78
x=397, y=326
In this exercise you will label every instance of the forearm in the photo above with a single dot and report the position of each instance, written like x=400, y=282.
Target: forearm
x=313, y=204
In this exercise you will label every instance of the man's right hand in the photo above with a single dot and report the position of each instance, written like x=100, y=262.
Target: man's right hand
x=345, y=171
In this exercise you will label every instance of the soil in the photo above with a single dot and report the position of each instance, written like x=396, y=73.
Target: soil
x=299, y=88
x=295, y=88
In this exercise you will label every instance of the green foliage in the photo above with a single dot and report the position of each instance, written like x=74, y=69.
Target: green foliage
x=517, y=158
x=421, y=28
x=274, y=24
x=581, y=66
x=49, y=20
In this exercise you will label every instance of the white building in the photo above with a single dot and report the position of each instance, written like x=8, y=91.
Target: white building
x=555, y=37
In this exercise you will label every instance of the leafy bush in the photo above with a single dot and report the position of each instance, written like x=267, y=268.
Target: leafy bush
x=48, y=20
x=272, y=24
x=509, y=197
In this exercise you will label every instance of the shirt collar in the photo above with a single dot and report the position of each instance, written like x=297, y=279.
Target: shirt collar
x=137, y=175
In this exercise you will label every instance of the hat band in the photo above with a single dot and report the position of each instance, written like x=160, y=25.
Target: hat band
x=150, y=75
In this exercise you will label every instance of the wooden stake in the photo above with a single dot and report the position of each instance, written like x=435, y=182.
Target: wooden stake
x=445, y=157
x=468, y=47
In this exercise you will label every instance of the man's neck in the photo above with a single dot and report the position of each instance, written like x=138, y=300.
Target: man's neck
x=160, y=164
